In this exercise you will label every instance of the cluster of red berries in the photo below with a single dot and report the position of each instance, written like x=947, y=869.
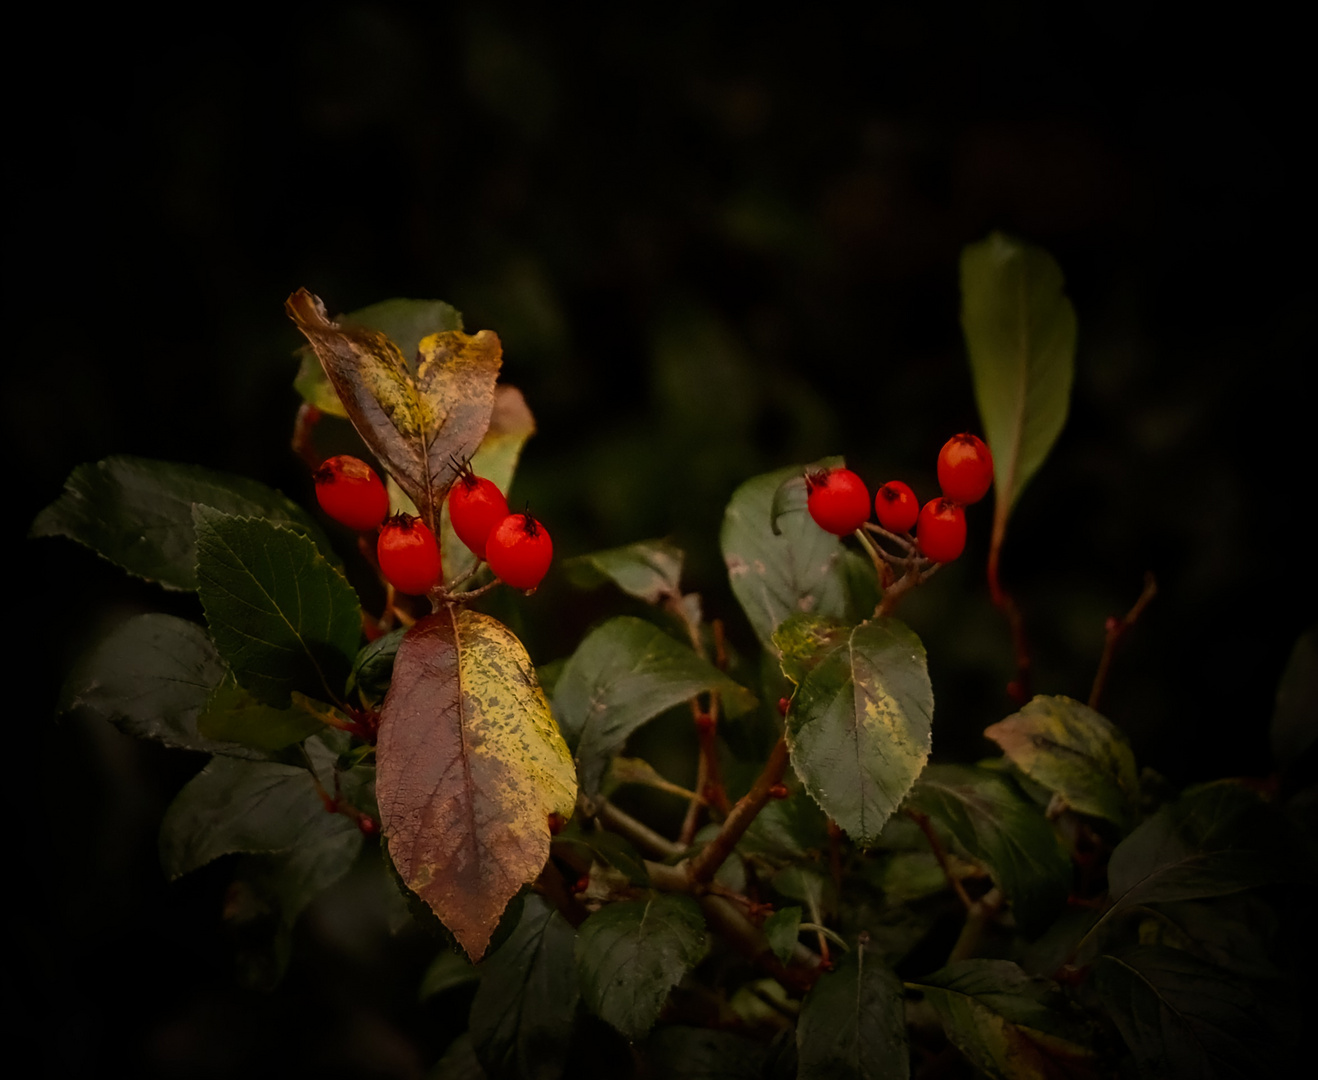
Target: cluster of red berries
x=516, y=546
x=840, y=503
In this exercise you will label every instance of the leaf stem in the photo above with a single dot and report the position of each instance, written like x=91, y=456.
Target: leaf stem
x=979, y=915
x=1019, y=687
x=705, y=863
x=637, y=832
x=1116, y=630
x=926, y=827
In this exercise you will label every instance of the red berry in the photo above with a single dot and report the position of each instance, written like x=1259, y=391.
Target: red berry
x=838, y=500
x=350, y=492
x=941, y=530
x=475, y=507
x=519, y=551
x=408, y=554
x=965, y=469
x=896, y=507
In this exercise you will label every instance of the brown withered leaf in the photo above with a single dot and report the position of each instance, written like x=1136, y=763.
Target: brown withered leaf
x=417, y=419
x=469, y=766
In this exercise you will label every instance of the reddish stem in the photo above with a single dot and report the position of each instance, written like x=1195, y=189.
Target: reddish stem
x=304, y=429
x=1019, y=687
x=706, y=863
x=1116, y=630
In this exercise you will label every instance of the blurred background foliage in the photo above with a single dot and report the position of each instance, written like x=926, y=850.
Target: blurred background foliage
x=713, y=243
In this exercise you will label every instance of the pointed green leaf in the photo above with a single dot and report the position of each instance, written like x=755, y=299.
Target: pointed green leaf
x=649, y=570
x=859, y=724
x=853, y=1024
x=469, y=767
x=521, y=1018
x=782, y=929
x=625, y=673
x=283, y=617
x=687, y=1053
x=1020, y=333
x=993, y=821
x=773, y=576
x=233, y=715
x=630, y=955
x=1074, y=751
x=137, y=513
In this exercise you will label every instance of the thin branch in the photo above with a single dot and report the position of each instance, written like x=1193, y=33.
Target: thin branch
x=981, y=913
x=1019, y=687
x=637, y=832
x=706, y=863
x=1116, y=630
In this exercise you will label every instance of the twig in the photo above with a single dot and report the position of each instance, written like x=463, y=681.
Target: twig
x=637, y=832
x=979, y=915
x=1019, y=687
x=705, y=864
x=927, y=828
x=304, y=429
x=1116, y=630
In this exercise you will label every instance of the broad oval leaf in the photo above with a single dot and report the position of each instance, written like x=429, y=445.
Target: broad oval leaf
x=1020, y=334
x=859, y=726
x=994, y=822
x=649, y=570
x=283, y=617
x=417, y=420
x=1074, y=751
x=802, y=569
x=521, y=1018
x=469, y=767
x=631, y=954
x=137, y=513
x=625, y=673
x=853, y=1023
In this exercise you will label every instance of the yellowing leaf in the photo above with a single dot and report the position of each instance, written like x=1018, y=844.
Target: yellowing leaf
x=469, y=766
x=416, y=419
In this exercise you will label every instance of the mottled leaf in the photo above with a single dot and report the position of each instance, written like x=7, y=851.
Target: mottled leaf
x=283, y=617
x=859, y=724
x=1020, y=333
x=1295, y=718
x=1074, y=751
x=233, y=715
x=446, y=971
x=687, y=1053
x=994, y=822
x=1010, y=1025
x=417, y=419
x=137, y=513
x=853, y=1024
x=521, y=1018
x=625, y=673
x=782, y=929
x=630, y=955
x=469, y=766
x=649, y=570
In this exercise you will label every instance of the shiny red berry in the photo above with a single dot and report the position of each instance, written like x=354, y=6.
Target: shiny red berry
x=941, y=530
x=896, y=506
x=838, y=500
x=475, y=507
x=965, y=468
x=408, y=554
x=519, y=551
x=351, y=493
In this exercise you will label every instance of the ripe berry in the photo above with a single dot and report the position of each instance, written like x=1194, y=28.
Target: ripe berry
x=519, y=551
x=941, y=530
x=408, y=554
x=838, y=500
x=965, y=468
x=896, y=507
x=350, y=492
x=475, y=507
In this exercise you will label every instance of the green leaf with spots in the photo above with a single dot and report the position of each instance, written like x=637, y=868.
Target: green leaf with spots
x=859, y=723
x=283, y=617
x=631, y=954
x=1075, y=752
x=853, y=1024
x=649, y=570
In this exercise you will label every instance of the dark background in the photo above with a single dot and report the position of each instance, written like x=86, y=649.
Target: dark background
x=712, y=244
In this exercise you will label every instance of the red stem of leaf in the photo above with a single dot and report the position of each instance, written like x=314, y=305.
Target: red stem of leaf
x=705, y=864
x=1116, y=630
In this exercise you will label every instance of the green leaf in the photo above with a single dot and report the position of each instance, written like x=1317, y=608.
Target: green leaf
x=625, y=673
x=608, y=849
x=1010, y=1025
x=233, y=715
x=137, y=513
x=459, y=1062
x=521, y=1018
x=1074, y=751
x=1020, y=333
x=859, y=724
x=773, y=576
x=283, y=617
x=630, y=955
x=782, y=928
x=152, y=677
x=993, y=821
x=447, y=970
x=853, y=1024
x=688, y=1053
x=255, y=807
x=373, y=669
x=1182, y=1017
x=788, y=829
x=1295, y=718
x=792, y=496
x=649, y=570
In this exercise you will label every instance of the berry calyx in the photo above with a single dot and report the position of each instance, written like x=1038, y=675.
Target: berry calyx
x=519, y=551
x=408, y=554
x=941, y=530
x=896, y=506
x=350, y=492
x=965, y=468
x=475, y=507
x=838, y=500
